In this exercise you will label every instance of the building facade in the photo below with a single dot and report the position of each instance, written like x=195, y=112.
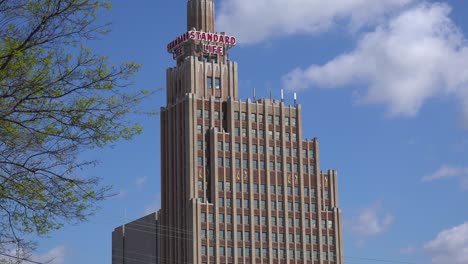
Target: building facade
x=239, y=182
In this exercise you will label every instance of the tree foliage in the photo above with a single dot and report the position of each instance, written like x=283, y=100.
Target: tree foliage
x=57, y=99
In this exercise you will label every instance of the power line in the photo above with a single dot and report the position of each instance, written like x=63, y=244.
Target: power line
x=22, y=259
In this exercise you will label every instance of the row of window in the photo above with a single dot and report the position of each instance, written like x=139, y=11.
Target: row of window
x=262, y=188
x=260, y=164
x=293, y=254
x=263, y=204
x=275, y=237
x=259, y=118
x=260, y=149
x=217, y=82
x=206, y=114
x=227, y=218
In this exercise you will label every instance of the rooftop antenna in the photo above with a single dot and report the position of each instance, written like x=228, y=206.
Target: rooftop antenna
x=254, y=95
x=270, y=95
x=295, y=99
x=282, y=95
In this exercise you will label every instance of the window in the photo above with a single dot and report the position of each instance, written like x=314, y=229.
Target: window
x=264, y=236
x=311, y=153
x=211, y=234
x=229, y=235
x=200, y=185
x=228, y=202
x=203, y=217
x=286, y=120
x=270, y=134
x=239, y=251
x=278, y=150
x=238, y=202
x=200, y=161
x=203, y=233
x=295, y=167
x=288, y=136
x=221, y=217
x=221, y=201
x=289, y=190
x=277, y=120
x=228, y=184
x=237, y=147
x=210, y=82
x=199, y=129
x=218, y=83
x=207, y=114
x=200, y=145
x=245, y=163
x=314, y=208
x=324, y=255
x=305, y=168
x=277, y=135
x=247, y=252
x=263, y=188
x=246, y=203
x=298, y=222
x=244, y=132
x=229, y=251
x=257, y=252
x=203, y=250
x=247, y=219
x=314, y=223
x=220, y=162
x=255, y=187
x=270, y=119
x=273, y=205
x=210, y=217
x=199, y=113
x=324, y=224
x=221, y=251
x=228, y=162
x=244, y=147
x=256, y=220
x=330, y=224
x=279, y=166
x=216, y=115
x=264, y=220
x=262, y=164
x=261, y=133
x=237, y=163
x=280, y=205
x=307, y=239
x=306, y=191
x=236, y=115
x=257, y=236
x=288, y=151
x=293, y=121
x=260, y=118
x=291, y=237
x=254, y=148
x=237, y=131
x=256, y=204
x=273, y=220
x=280, y=189
x=296, y=190
x=272, y=165
x=253, y=117
x=254, y=133
x=243, y=116
x=255, y=164
x=331, y=240
x=229, y=218
x=228, y=145
x=294, y=137
x=261, y=149
x=297, y=206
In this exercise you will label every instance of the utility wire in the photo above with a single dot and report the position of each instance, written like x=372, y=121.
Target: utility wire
x=22, y=259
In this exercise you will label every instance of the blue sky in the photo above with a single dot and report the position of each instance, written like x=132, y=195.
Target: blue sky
x=383, y=84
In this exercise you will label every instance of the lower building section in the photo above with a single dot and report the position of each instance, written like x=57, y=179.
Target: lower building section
x=137, y=242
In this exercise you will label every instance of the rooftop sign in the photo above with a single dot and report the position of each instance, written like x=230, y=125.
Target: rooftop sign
x=219, y=39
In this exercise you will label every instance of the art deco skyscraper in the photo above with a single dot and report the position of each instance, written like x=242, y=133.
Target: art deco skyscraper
x=239, y=182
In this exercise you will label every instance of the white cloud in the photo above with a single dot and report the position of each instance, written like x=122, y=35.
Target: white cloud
x=140, y=182
x=371, y=222
x=255, y=21
x=417, y=55
x=450, y=246
x=55, y=256
x=447, y=171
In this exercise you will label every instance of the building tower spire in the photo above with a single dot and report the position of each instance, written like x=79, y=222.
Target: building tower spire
x=201, y=15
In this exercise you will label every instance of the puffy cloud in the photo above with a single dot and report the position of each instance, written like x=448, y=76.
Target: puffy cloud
x=450, y=246
x=255, y=21
x=371, y=222
x=447, y=171
x=417, y=55
x=54, y=256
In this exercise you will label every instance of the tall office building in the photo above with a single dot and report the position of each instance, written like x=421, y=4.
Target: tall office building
x=239, y=182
